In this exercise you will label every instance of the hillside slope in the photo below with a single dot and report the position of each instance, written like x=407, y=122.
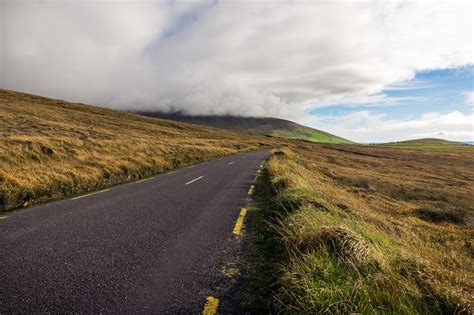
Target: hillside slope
x=261, y=126
x=51, y=148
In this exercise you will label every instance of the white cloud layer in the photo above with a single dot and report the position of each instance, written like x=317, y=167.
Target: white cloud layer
x=260, y=58
x=469, y=98
x=365, y=126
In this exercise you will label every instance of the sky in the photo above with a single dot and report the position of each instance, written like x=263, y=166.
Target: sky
x=369, y=71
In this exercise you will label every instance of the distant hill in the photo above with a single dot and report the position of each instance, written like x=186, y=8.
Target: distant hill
x=424, y=141
x=274, y=127
x=430, y=143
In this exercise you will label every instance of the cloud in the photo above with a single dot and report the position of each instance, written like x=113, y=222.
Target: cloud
x=361, y=100
x=469, y=98
x=414, y=84
x=366, y=126
x=261, y=58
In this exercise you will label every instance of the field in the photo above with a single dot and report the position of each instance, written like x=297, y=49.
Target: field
x=369, y=229
x=50, y=149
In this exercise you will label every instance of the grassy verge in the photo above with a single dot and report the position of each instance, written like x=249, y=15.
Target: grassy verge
x=261, y=271
x=50, y=149
x=324, y=244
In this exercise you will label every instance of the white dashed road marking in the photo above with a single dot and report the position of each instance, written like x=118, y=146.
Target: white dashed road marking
x=192, y=181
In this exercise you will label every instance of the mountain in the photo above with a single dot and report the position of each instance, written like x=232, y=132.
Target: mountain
x=274, y=127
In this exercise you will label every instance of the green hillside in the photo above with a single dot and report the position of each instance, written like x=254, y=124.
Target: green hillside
x=274, y=127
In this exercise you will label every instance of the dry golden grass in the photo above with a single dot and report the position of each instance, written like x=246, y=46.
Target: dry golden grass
x=50, y=148
x=373, y=229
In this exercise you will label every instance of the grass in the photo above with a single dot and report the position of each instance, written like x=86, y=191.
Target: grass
x=262, y=268
x=51, y=149
x=441, y=215
x=364, y=229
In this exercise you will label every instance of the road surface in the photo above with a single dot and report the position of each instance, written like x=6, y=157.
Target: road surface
x=157, y=245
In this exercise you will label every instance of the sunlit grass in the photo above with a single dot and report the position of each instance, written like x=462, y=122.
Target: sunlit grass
x=50, y=149
x=342, y=244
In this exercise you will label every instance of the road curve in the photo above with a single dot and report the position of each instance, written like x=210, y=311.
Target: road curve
x=157, y=245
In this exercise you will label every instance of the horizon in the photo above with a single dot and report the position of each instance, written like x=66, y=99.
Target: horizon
x=371, y=79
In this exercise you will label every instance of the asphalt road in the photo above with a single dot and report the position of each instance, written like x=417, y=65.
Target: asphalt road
x=158, y=245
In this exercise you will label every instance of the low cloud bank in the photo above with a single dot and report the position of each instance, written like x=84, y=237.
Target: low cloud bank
x=259, y=58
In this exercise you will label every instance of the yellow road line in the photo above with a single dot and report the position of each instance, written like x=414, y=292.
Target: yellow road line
x=251, y=189
x=143, y=180
x=239, y=222
x=4, y=217
x=95, y=192
x=211, y=306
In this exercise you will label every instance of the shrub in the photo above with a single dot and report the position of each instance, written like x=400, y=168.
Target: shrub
x=441, y=215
